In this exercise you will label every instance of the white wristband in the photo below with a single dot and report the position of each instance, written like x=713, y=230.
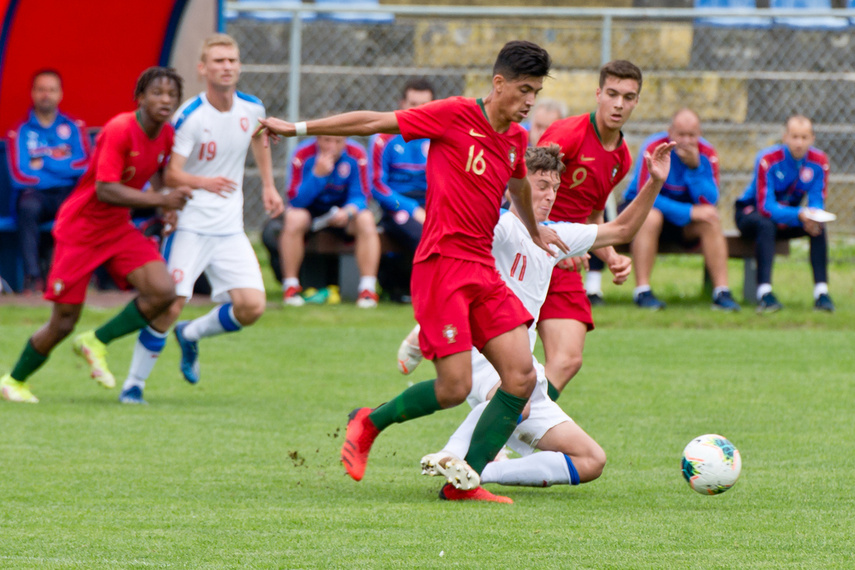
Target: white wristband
x=300, y=128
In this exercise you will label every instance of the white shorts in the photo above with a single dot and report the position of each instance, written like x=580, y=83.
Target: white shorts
x=544, y=415
x=228, y=261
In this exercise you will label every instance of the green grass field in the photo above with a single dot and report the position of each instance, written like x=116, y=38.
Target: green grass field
x=242, y=470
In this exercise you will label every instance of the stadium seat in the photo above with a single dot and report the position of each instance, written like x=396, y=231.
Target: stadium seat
x=812, y=23
x=356, y=17
x=736, y=6
x=279, y=16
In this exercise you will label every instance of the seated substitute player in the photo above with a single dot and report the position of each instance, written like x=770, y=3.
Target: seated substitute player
x=771, y=207
x=543, y=114
x=94, y=227
x=329, y=177
x=685, y=210
x=398, y=184
x=47, y=154
x=212, y=133
x=476, y=151
x=570, y=455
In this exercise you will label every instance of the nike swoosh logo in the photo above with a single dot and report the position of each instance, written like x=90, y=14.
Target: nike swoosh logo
x=134, y=153
x=474, y=134
x=584, y=158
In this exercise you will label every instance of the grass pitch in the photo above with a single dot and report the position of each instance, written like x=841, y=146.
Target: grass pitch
x=242, y=471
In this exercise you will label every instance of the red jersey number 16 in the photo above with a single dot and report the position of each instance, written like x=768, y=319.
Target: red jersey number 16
x=476, y=163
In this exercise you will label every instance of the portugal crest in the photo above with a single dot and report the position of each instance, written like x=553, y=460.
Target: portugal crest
x=450, y=333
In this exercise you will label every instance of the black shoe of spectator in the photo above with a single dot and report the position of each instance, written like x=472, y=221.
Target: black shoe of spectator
x=823, y=303
x=769, y=304
x=596, y=299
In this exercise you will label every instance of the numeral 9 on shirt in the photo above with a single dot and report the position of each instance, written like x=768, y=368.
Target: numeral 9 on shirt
x=208, y=151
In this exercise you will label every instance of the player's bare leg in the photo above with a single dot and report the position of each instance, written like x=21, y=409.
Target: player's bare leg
x=563, y=343
x=364, y=228
x=714, y=248
x=644, y=247
x=293, y=249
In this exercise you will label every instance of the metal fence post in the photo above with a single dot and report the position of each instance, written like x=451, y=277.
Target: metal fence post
x=294, y=57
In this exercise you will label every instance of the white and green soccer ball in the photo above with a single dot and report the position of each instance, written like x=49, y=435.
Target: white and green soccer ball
x=711, y=464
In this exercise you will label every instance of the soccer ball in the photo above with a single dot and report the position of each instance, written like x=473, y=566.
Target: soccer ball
x=711, y=464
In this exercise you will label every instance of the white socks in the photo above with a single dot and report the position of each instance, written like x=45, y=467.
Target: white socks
x=639, y=290
x=540, y=469
x=221, y=319
x=290, y=282
x=594, y=282
x=149, y=345
x=367, y=282
x=762, y=289
x=820, y=289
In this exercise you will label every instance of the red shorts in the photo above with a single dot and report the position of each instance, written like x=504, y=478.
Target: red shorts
x=567, y=299
x=73, y=263
x=460, y=304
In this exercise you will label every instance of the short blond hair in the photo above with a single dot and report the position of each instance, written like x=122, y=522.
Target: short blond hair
x=218, y=40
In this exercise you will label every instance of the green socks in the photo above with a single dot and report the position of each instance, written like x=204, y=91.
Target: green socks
x=552, y=391
x=28, y=362
x=128, y=321
x=493, y=429
x=416, y=401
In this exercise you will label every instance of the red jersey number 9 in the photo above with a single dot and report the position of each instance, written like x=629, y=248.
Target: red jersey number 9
x=208, y=151
x=579, y=176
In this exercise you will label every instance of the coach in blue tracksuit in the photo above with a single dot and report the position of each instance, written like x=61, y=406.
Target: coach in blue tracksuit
x=772, y=207
x=399, y=185
x=685, y=210
x=47, y=154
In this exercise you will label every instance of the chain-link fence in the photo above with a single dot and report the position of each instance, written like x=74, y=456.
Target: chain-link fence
x=743, y=74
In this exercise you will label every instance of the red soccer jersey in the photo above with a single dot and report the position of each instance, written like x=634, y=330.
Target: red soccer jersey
x=592, y=171
x=125, y=154
x=468, y=167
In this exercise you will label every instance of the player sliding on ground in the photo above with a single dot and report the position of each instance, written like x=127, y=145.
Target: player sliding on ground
x=569, y=455
x=93, y=227
x=476, y=150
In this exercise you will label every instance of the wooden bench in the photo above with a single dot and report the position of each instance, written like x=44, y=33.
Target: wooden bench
x=330, y=244
x=737, y=248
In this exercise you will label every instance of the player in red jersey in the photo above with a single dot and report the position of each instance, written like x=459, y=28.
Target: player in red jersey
x=596, y=158
x=477, y=148
x=94, y=227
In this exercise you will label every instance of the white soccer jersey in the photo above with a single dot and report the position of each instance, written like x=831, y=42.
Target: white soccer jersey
x=215, y=144
x=525, y=267
x=527, y=270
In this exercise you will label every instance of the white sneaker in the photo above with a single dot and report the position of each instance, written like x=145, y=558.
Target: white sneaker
x=409, y=355
x=456, y=471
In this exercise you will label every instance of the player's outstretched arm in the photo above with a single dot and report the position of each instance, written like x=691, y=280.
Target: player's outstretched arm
x=627, y=224
x=118, y=194
x=176, y=176
x=355, y=123
x=520, y=193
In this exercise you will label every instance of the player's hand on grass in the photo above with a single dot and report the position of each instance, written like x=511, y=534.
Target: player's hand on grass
x=175, y=198
x=546, y=236
x=621, y=268
x=219, y=185
x=659, y=161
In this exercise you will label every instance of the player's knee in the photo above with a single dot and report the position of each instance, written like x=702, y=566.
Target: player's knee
x=160, y=297
x=365, y=223
x=297, y=221
x=450, y=394
x=567, y=367
x=249, y=311
x=591, y=466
